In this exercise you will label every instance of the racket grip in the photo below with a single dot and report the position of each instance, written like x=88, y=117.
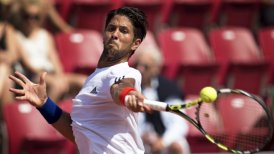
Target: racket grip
x=156, y=105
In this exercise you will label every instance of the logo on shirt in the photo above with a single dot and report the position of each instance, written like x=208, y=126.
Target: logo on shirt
x=94, y=91
x=119, y=79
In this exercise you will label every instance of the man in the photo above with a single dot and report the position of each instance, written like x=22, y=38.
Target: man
x=101, y=120
x=162, y=132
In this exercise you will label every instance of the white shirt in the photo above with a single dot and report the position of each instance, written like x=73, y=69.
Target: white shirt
x=37, y=49
x=100, y=125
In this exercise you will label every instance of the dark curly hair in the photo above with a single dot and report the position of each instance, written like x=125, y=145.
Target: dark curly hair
x=135, y=15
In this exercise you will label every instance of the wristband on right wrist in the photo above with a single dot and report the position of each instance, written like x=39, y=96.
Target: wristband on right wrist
x=124, y=93
x=50, y=111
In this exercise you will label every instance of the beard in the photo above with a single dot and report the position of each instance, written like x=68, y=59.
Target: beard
x=113, y=55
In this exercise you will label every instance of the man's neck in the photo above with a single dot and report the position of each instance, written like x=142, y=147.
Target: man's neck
x=105, y=61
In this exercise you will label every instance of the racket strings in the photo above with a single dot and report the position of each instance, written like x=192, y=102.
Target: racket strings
x=236, y=121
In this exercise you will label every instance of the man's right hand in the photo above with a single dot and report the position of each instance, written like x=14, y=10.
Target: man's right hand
x=34, y=93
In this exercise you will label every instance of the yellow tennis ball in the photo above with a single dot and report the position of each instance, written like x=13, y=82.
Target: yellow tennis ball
x=208, y=94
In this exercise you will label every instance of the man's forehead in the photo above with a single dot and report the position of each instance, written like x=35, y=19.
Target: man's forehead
x=121, y=20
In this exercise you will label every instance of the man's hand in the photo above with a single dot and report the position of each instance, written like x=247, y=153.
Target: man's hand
x=36, y=94
x=135, y=103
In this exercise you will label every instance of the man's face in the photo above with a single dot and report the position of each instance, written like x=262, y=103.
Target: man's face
x=119, y=38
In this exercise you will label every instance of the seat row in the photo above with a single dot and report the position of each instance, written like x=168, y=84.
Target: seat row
x=188, y=13
x=228, y=57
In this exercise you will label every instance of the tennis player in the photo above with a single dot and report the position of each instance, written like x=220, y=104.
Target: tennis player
x=101, y=121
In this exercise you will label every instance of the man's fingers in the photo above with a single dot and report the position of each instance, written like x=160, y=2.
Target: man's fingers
x=17, y=91
x=21, y=98
x=22, y=77
x=16, y=80
x=147, y=109
x=42, y=78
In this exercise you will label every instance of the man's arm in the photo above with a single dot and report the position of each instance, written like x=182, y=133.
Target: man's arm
x=36, y=95
x=125, y=87
x=63, y=125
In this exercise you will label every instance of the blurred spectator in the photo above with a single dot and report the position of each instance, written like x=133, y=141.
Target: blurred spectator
x=8, y=55
x=38, y=51
x=162, y=132
x=54, y=21
x=267, y=13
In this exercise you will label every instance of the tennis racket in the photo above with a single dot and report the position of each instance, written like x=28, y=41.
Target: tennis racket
x=237, y=121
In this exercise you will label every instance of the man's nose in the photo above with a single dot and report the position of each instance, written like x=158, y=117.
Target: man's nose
x=115, y=34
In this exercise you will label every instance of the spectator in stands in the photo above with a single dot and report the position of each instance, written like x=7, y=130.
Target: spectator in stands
x=162, y=132
x=8, y=55
x=51, y=14
x=38, y=51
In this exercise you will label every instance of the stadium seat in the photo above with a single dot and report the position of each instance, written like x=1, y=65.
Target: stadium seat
x=28, y=132
x=238, y=111
x=187, y=13
x=231, y=106
x=187, y=58
x=90, y=14
x=241, y=13
x=242, y=64
x=66, y=104
x=266, y=42
x=197, y=141
x=79, y=51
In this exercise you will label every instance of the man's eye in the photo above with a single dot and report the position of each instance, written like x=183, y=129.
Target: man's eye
x=123, y=30
x=111, y=28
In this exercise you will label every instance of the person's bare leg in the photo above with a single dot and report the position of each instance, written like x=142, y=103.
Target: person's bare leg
x=5, y=84
x=75, y=82
x=57, y=86
x=3, y=72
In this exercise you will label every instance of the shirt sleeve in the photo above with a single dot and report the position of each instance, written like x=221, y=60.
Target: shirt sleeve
x=127, y=73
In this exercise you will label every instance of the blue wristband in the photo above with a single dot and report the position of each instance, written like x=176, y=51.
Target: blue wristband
x=50, y=111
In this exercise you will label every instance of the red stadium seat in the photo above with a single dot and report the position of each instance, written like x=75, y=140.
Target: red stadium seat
x=236, y=112
x=28, y=132
x=239, y=13
x=242, y=64
x=197, y=141
x=187, y=13
x=90, y=14
x=188, y=58
x=79, y=50
x=66, y=104
x=238, y=105
x=266, y=41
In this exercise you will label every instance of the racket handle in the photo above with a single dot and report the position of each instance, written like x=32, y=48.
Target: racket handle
x=156, y=105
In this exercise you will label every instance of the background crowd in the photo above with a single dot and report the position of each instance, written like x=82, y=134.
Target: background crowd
x=28, y=30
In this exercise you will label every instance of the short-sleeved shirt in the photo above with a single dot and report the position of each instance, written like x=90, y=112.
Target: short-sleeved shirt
x=100, y=125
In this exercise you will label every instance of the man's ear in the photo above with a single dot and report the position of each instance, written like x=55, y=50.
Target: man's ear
x=136, y=44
